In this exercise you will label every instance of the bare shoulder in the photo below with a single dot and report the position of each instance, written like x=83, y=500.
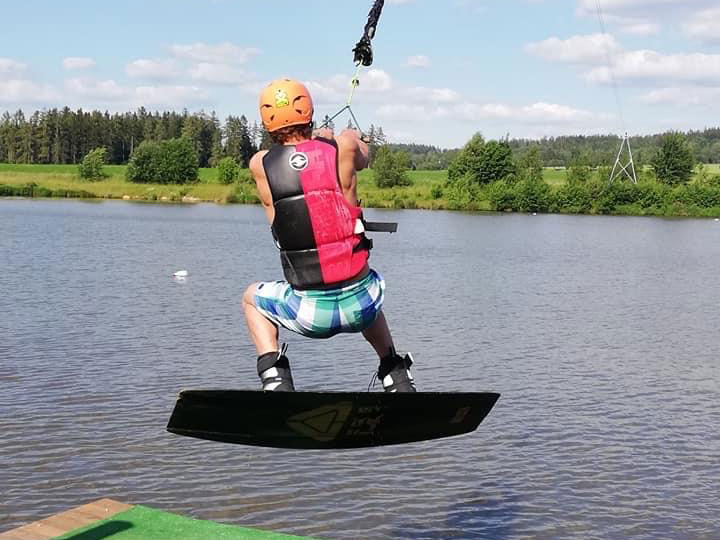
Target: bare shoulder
x=255, y=165
x=352, y=148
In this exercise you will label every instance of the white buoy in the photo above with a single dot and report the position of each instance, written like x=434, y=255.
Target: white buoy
x=181, y=273
x=717, y=219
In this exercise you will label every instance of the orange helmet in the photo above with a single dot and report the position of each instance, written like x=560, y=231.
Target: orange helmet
x=285, y=103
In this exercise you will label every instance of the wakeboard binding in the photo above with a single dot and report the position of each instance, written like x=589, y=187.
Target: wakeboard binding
x=274, y=371
x=394, y=373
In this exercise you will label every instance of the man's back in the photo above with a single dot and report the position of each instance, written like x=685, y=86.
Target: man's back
x=352, y=157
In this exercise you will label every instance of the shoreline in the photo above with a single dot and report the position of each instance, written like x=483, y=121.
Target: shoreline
x=191, y=201
x=427, y=192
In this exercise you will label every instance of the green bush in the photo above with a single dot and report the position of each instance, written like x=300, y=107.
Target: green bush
x=91, y=167
x=651, y=194
x=532, y=196
x=390, y=168
x=228, y=170
x=502, y=196
x=482, y=162
x=674, y=162
x=530, y=165
x=243, y=194
x=573, y=198
x=616, y=194
x=144, y=163
x=467, y=159
x=462, y=194
x=578, y=172
x=173, y=161
x=244, y=177
x=697, y=195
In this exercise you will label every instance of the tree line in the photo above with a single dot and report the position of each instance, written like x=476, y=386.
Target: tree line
x=65, y=136
x=599, y=150
x=592, y=150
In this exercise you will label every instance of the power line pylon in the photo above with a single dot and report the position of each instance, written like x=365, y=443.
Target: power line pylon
x=622, y=167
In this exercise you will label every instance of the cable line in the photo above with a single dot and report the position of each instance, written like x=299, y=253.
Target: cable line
x=619, y=168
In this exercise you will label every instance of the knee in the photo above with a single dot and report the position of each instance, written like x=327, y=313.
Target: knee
x=249, y=294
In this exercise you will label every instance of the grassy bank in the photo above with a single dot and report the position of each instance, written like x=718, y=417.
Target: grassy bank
x=426, y=192
x=63, y=181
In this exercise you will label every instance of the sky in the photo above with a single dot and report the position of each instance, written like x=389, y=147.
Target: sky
x=443, y=70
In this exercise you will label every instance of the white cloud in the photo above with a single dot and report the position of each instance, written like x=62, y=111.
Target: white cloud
x=154, y=70
x=374, y=85
x=646, y=8
x=8, y=66
x=638, y=27
x=168, y=96
x=421, y=94
x=222, y=53
x=704, y=25
x=697, y=96
x=24, y=91
x=77, y=62
x=326, y=93
x=535, y=113
x=418, y=60
x=376, y=80
x=582, y=49
x=607, y=61
x=102, y=91
x=645, y=66
x=642, y=17
x=109, y=91
x=222, y=74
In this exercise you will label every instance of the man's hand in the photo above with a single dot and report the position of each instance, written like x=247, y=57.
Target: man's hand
x=351, y=132
x=324, y=132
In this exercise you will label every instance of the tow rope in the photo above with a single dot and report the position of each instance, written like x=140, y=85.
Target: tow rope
x=362, y=57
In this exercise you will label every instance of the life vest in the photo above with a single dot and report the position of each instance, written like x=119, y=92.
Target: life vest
x=314, y=226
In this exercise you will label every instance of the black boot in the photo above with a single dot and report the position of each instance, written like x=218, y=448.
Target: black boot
x=274, y=371
x=394, y=373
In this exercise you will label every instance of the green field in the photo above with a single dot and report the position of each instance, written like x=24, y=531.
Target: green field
x=115, y=171
x=64, y=178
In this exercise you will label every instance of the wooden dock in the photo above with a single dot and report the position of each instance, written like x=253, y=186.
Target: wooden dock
x=65, y=522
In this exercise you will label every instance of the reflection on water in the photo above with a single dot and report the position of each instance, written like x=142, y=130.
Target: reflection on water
x=600, y=333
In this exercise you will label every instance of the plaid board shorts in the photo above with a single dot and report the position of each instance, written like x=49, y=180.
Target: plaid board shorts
x=322, y=313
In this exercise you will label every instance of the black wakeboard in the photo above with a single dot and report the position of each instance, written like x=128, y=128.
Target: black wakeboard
x=321, y=420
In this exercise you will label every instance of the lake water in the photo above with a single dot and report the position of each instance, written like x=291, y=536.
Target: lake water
x=601, y=334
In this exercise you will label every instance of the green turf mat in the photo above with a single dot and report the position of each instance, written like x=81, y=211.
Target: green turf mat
x=142, y=523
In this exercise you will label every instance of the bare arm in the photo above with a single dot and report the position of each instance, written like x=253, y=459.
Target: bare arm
x=352, y=157
x=263, y=188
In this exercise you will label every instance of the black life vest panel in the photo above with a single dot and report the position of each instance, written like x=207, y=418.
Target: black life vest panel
x=314, y=226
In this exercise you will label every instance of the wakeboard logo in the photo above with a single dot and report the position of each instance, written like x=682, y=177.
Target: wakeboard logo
x=298, y=161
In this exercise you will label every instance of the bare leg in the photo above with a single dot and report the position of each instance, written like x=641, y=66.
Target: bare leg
x=378, y=335
x=263, y=332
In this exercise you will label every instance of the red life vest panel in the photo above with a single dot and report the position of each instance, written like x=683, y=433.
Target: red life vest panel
x=314, y=226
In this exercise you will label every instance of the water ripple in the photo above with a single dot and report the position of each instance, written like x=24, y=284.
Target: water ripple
x=605, y=358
